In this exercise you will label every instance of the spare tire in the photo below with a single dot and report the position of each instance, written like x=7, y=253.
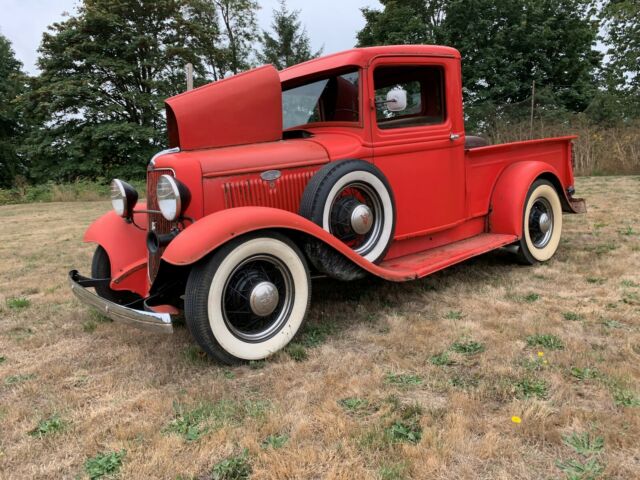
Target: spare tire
x=353, y=201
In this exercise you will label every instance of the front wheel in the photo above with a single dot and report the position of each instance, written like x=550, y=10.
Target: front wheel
x=542, y=224
x=249, y=299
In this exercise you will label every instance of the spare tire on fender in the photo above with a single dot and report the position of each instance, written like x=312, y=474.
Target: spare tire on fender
x=353, y=201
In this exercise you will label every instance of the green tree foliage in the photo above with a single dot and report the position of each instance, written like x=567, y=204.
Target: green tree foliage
x=505, y=45
x=622, y=25
x=290, y=43
x=239, y=27
x=403, y=22
x=12, y=84
x=107, y=70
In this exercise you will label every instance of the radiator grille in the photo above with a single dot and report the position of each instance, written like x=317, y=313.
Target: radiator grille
x=157, y=222
x=284, y=193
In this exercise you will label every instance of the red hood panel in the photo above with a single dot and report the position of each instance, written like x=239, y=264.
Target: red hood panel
x=240, y=110
x=258, y=157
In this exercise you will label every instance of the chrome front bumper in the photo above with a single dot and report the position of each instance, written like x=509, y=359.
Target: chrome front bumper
x=151, y=321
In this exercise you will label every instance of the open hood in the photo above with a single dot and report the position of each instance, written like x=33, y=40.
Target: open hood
x=239, y=110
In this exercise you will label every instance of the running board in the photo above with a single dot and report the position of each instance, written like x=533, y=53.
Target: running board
x=420, y=264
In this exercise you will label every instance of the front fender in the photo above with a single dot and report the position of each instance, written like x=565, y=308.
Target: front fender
x=126, y=246
x=510, y=193
x=211, y=232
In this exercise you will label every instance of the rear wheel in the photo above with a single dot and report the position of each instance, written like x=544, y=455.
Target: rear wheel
x=249, y=299
x=101, y=269
x=542, y=224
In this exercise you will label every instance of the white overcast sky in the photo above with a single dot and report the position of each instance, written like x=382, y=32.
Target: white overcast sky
x=331, y=24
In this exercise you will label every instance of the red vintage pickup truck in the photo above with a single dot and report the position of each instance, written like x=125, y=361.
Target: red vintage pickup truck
x=349, y=165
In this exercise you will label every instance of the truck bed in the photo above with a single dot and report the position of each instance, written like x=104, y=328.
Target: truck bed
x=485, y=164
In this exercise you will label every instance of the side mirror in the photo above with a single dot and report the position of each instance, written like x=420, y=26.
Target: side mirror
x=397, y=100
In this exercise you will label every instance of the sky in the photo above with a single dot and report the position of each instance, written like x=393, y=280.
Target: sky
x=331, y=24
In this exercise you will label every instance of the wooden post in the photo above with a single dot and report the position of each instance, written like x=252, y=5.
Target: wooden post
x=189, y=74
x=533, y=101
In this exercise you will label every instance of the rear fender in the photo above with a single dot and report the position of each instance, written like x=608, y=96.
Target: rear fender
x=510, y=193
x=127, y=249
x=211, y=232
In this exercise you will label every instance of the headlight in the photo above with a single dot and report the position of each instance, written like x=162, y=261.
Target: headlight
x=173, y=197
x=123, y=198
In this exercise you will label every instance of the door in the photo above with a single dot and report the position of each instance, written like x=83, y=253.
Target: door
x=421, y=147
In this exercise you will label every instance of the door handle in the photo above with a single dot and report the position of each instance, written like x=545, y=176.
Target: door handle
x=454, y=136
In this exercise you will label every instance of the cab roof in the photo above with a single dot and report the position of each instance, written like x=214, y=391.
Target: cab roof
x=362, y=57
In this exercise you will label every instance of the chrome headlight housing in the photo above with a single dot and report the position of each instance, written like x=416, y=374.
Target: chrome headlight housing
x=173, y=197
x=123, y=198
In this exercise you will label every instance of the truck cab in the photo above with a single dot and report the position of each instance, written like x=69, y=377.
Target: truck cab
x=350, y=165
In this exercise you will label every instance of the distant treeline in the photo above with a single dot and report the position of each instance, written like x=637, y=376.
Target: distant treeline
x=95, y=110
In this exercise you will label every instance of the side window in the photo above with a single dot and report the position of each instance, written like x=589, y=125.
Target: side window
x=424, y=87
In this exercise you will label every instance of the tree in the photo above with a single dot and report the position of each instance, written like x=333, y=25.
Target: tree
x=12, y=85
x=290, y=43
x=240, y=30
x=508, y=44
x=621, y=19
x=505, y=46
x=403, y=22
x=107, y=70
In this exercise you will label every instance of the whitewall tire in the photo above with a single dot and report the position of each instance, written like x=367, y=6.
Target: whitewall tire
x=249, y=299
x=541, y=225
x=353, y=201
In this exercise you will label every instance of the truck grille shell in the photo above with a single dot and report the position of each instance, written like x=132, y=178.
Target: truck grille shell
x=284, y=193
x=156, y=222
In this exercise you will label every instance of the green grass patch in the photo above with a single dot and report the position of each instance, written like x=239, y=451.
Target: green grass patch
x=196, y=422
x=441, y=360
x=550, y=342
x=468, y=348
x=453, y=315
x=572, y=316
x=48, y=426
x=612, y=324
x=584, y=374
x=577, y=470
x=194, y=355
x=315, y=335
x=275, y=441
x=583, y=443
x=404, y=432
x=629, y=284
x=2, y=359
x=531, y=388
x=596, y=280
x=627, y=231
x=297, y=352
x=18, y=303
x=404, y=379
x=104, y=464
x=20, y=378
x=393, y=471
x=236, y=467
x=625, y=398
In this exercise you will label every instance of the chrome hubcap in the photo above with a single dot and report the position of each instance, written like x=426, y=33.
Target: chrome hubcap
x=541, y=223
x=258, y=298
x=545, y=223
x=361, y=219
x=357, y=217
x=264, y=299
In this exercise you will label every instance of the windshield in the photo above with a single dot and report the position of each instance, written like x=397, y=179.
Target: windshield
x=334, y=98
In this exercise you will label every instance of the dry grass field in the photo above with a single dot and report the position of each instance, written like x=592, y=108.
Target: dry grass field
x=488, y=370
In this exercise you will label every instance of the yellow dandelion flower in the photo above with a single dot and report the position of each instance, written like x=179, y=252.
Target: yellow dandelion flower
x=541, y=354
x=516, y=419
